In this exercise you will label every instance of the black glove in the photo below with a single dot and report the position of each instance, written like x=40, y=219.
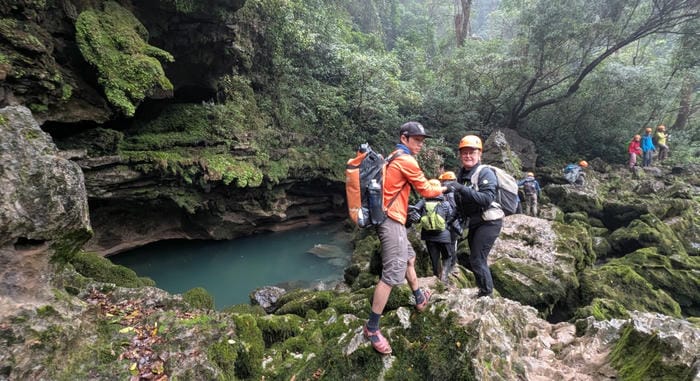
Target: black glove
x=453, y=186
x=413, y=216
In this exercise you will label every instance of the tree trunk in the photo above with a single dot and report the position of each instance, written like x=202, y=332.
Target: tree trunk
x=684, y=108
x=463, y=10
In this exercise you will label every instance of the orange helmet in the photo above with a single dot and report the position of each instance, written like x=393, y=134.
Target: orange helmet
x=471, y=141
x=531, y=174
x=661, y=127
x=648, y=129
x=435, y=182
x=583, y=163
x=447, y=176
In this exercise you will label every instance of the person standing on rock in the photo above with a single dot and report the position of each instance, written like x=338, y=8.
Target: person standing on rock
x=398, y=256
x=531, y=190
x=647, y=148
x=634, y=149
x=471, y=204
x=660, y=137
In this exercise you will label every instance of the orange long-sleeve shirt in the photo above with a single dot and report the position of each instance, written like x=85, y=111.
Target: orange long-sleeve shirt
x=402, y=173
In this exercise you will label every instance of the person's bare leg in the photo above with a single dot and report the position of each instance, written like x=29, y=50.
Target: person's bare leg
x=411, y=276
x=381, y=296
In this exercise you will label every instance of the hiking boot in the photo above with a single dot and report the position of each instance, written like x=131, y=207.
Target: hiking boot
x=379, y=342
x=481, y=294
x=426, y=297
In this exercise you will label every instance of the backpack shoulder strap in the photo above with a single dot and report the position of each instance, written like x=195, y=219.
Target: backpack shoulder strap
x=389, y=159
x=475, y=177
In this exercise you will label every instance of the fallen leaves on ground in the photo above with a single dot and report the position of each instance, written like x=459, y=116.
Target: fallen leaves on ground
x=143, y=362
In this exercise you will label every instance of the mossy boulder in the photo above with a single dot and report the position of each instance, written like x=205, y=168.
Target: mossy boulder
x=686, y=224
x=648, y=231
x=300, y=302
x=618, y=214
x=602, y=309
x=571, y=199
x=535, y=262
x=642, y=354
x=199, y=298
x=248, y=363
x=531, y=284
x=677, y=275
x=619, y=282
x=575, y=241
x=277, y=329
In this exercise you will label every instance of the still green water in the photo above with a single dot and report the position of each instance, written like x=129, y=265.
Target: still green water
x=230, y=270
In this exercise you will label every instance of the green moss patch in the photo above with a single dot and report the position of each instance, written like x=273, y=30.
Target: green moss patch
x=199, y=298
x=603, y=309
x=541, y=291
x=621, y=283
x=648, y=231
x=115, y=42
x=678, y=276
x=102, y=269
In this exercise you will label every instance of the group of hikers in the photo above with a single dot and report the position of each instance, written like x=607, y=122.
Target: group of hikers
x=449, y=204
x=646, y=145
x=456, y=199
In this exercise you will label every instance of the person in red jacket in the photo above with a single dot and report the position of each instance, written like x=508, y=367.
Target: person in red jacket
x=398, y=256
x=634, y=149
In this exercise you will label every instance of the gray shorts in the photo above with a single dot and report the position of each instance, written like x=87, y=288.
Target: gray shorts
x=396, y=251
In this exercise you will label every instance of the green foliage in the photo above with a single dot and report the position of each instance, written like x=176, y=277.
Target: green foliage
x=114, y=41
x=102, y=269
x=199, y=298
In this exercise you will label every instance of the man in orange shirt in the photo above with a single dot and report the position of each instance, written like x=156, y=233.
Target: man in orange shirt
x=398, y=256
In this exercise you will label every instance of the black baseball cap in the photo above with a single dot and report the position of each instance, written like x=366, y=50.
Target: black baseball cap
x=413, y=129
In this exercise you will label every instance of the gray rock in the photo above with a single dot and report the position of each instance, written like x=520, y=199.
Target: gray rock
x=267, y=296
x=43, y=205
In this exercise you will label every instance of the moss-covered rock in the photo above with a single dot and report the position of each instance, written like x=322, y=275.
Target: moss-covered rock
x=300, y=302
x=248, y=363
x=648, y=231
x=540, y=290
x=575, y=240
x=115, y=42
x=618, y=214
x=102, y=269
x=677, y=275
x=279, y=328
x=621, y=283
x=641, y=355
x=602, y=309
x=199, y=298
x=570, y=199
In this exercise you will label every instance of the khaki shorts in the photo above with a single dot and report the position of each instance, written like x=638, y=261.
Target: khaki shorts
x=396, y=251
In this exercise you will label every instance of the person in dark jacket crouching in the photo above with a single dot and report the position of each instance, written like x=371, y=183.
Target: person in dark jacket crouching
x=476, y=206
